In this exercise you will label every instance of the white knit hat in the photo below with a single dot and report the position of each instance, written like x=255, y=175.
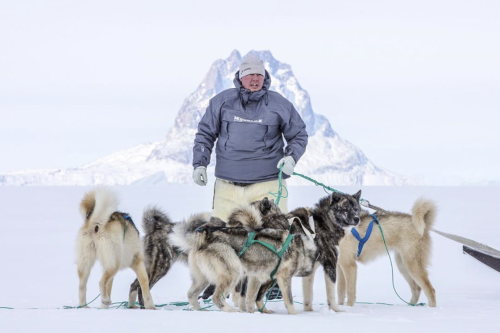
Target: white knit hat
x=251, y=64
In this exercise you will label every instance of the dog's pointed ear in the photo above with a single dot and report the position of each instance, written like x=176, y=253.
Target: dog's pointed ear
x=334, y=198
x=357, y=196
x=265, y=205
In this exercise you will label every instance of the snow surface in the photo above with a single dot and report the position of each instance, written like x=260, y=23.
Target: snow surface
x=39, y=227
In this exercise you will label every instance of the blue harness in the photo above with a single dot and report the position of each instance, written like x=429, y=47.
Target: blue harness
x=363, y=240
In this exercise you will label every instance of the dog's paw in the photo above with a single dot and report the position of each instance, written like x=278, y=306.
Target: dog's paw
x=308, y=307
x=197, y=307
x=264, y=310
x=229, y=309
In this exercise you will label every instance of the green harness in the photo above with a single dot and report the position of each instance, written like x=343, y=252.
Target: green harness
x=251, y=240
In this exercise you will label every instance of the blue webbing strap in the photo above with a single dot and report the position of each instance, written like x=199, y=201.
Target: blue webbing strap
x=365, y=239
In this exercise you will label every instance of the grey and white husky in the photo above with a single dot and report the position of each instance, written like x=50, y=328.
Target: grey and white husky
x=407, y=235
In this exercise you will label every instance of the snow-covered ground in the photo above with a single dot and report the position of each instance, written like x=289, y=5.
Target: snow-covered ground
x=39, y=226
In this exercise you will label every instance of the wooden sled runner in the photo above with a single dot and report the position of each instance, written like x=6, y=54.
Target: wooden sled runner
x=483, y=253
x=488, y=260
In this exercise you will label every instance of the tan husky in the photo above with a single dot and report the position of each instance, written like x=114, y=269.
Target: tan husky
x=112, y=238
x=406, y=235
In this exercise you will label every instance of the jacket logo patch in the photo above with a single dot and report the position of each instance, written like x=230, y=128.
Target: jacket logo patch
x=243, y=120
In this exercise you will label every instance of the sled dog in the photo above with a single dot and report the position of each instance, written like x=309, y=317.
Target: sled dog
x=332, y=217
x=111, y=237
x=406, y=235
x=269, y=217
x=159, y=254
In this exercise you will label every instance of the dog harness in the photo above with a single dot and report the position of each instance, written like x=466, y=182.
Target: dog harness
x=309, y=235
x=251, y=240
x=363, y=240
x=128, y=218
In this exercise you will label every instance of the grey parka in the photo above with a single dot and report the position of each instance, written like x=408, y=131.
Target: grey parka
x=249, y=128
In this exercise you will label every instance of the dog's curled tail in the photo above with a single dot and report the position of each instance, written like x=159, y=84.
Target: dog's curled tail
x=98, y=205
x=184, y=235
x=154, y=219
x=423, y=215
x=248, y=216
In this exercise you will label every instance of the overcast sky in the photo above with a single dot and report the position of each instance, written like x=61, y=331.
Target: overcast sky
x=414, y=84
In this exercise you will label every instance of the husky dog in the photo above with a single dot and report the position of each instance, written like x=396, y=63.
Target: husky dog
x=407, y=235
x=260, y=214
x=111, y=237
x=330, y=217
x=213, y=258
x=159, y=253
x=268, y=216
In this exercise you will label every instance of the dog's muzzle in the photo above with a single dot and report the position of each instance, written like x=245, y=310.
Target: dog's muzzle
x=355, y=220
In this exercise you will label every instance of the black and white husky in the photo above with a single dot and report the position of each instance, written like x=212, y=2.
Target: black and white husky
x=159, y=253
x=332, y=217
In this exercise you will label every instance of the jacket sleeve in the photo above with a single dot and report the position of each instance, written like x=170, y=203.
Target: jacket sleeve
x=208, y=131
x=294, y=131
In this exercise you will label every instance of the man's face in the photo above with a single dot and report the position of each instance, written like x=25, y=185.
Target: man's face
x=252, y=82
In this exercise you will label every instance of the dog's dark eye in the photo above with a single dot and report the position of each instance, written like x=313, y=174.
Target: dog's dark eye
x=96, y=228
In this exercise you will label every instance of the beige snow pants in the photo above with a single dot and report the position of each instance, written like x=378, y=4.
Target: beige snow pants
x=228, y=196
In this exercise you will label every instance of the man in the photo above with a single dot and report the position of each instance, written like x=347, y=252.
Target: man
x=249, y=123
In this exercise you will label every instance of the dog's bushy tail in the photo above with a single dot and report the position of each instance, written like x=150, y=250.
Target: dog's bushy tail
x=98, y=205
x=184, y=235
x=249, y=216
x=423, y=215
x=154, y=219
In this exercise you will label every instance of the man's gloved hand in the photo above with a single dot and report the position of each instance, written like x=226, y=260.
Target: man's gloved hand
x=200, y=176
x=288, y=164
